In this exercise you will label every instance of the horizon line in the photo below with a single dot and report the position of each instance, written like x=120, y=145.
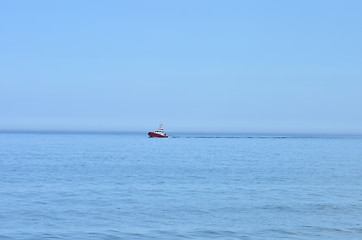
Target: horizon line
x=89, y=131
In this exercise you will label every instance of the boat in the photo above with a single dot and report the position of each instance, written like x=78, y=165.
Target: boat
x=158, y=133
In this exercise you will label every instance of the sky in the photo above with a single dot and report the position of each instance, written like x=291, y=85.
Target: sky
x=205, y=65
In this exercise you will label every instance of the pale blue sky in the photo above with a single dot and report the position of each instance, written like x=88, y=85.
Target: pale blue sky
x=255, y=66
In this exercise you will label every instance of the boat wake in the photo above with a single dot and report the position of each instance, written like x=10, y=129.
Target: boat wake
x=270, y=137
x=224, y=137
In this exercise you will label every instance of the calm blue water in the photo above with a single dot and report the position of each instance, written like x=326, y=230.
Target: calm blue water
x=127, y=186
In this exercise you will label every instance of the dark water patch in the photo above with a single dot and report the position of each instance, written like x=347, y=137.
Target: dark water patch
x=332, y=232
x=4, y=237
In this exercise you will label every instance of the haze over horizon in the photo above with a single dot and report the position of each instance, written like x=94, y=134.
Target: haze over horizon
x=260, y=66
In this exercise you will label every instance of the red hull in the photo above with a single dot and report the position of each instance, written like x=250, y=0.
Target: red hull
x=156, y=135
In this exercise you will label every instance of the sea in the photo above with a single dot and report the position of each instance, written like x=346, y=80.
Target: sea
x=124, y=185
